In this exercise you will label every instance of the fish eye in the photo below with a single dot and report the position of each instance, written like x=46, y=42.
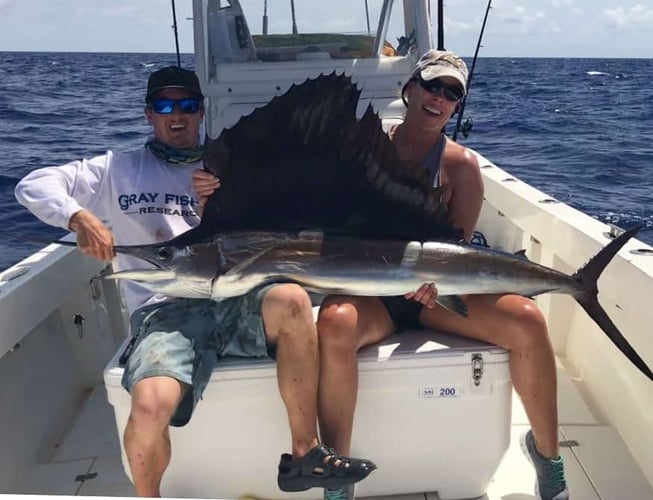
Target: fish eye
x=164, y=254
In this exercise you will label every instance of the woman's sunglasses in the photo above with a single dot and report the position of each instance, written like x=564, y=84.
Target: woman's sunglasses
x=452, y=93
x=166, y=106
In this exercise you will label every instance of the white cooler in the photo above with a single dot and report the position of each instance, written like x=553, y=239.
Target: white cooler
x=433, y=413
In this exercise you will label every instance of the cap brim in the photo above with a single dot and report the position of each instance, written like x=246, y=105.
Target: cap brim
x=163, y=87
x=434, y=71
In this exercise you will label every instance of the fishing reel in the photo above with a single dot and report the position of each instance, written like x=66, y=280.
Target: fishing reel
x=465, y=127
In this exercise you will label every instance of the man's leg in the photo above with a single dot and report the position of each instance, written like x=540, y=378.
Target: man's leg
x=288, y=321
x=345, y=324
x=165, y=374
x=146, y=437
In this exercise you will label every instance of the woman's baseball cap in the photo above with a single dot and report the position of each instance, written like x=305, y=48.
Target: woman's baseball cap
x=438, y=63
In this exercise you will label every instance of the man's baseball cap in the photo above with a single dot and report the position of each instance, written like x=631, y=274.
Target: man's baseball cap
x=173, y=77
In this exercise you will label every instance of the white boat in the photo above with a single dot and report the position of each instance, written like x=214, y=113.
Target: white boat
x=63, y=333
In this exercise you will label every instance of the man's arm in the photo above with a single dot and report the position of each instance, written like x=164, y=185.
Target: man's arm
x=204, y=183
x=58, y=196
x=93, y=237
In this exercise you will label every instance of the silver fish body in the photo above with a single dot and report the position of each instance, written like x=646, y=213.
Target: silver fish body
x=234, y=263
x=389, y=267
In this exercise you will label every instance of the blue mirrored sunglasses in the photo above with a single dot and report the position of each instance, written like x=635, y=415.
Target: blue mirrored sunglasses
x=452, y=93
x=166, y=106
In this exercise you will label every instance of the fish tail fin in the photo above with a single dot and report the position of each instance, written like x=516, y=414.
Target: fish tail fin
x=598, y=314
x=587, y=296
x=589, y=274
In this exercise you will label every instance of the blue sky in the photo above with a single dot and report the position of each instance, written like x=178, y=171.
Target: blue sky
x=516, y=28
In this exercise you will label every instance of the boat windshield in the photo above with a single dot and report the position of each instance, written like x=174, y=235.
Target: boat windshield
x=291, y=30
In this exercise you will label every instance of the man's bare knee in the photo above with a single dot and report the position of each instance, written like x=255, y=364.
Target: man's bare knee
x=154, y=403
x=287, y=313
x=285, y=301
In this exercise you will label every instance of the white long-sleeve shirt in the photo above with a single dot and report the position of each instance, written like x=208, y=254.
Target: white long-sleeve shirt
x=140, y=198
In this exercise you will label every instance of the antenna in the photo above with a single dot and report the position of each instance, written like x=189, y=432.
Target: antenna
x=440, y=25
x=466, y=127
x=174, y=27
x=265, y=18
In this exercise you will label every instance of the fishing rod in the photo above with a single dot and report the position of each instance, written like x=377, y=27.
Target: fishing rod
x=294, y=21
x=467, y=126
x=367, y=16
x=174, y=27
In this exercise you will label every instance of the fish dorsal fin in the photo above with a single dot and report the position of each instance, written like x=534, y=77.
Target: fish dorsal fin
x=304, y=160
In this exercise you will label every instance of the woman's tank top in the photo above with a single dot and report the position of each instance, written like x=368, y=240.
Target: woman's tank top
x=433, y=159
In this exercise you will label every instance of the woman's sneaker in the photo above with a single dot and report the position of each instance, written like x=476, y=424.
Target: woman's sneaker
x=550, y=483
x=342, y=493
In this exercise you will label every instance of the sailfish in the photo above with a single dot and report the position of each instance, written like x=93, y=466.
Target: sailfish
x=311, y=194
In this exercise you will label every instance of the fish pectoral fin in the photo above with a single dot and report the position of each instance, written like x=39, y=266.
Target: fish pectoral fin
x=241, y=266
x=454, y=304
x=142, y=275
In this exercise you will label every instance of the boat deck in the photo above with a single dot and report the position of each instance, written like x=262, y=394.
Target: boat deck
x=598, y=466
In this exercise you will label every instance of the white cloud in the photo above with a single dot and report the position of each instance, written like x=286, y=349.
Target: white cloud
x=520, y=18
x=637, y=16
x=456, y=27
x=6, y=6
x=561, y=3
x=554, y=27
x=115, y=9
x=122, y=10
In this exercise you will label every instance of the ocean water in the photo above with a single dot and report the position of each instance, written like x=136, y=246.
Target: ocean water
x=577, y=129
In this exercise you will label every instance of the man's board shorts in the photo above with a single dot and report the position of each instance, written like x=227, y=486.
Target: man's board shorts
x=183, y=339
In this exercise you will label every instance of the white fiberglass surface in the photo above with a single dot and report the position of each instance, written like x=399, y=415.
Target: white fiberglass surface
x=598, y=465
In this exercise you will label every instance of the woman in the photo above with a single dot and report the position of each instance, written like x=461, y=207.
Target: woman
x=345, y=324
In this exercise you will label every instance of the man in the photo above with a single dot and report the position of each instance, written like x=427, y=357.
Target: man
x=432, y=93
x=146, y=196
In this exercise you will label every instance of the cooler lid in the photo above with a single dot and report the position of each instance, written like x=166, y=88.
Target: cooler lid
x=428, y=347
x=435, y=346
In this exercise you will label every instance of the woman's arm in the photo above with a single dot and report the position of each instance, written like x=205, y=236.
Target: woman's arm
x=462, y=177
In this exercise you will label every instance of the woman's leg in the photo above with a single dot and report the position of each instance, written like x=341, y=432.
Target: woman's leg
x=345, y=324
x=516, y=324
